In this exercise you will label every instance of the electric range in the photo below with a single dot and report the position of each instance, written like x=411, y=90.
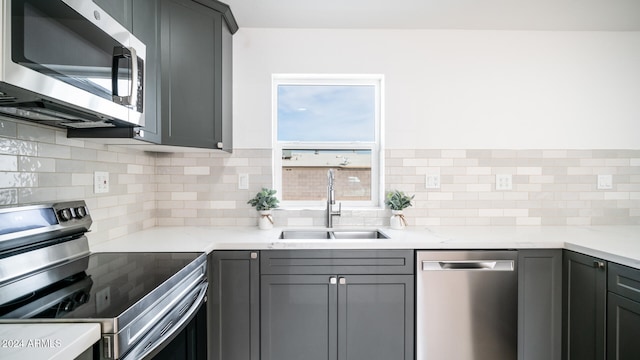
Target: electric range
x=47, y=274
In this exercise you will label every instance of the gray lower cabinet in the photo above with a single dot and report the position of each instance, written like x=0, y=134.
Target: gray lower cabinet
x=234, y=305
x=337, y=315
x=623, y=313
x=584, y=307
x=539, y=304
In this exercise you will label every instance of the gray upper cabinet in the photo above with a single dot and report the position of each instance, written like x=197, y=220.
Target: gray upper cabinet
x=188, y=72
x=539, y=304
x=191, y=44
x=584, y=300
x=355, y=305
x=623, y=313
x=147, y=28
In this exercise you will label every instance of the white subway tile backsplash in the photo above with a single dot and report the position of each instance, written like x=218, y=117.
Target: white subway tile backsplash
x=8, y=163
x=197, y=170
x=36, y=133
x=550, y=187
x=8, y=197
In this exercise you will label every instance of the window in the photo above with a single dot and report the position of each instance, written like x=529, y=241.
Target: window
x=322, y=123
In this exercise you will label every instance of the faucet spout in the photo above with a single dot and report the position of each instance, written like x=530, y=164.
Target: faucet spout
x=331, y=199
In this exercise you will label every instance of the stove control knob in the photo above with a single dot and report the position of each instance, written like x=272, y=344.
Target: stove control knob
x=67, y=306
x=65, y=214
x=81, y=298
x=81, y=212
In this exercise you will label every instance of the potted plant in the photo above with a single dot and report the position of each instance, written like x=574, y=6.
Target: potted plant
x=397, y=201
x=264, y=201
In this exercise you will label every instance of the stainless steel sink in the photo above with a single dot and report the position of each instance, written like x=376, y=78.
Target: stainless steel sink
x=358, y=234
x=331, y=234
x=305, y=234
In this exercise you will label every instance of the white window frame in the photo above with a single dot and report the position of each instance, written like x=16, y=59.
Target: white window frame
x=376, y=146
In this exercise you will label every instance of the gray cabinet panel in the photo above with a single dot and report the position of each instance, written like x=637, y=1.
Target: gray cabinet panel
x=188, y=60
x=624, y=281
x=234, y=305
x=623, y=313
x=341, y=262
x=375, y=317
x=623, y=328
x=299, y=314
x=539, y=304
x=146, y=27
x=584, y=300
x=339, y=316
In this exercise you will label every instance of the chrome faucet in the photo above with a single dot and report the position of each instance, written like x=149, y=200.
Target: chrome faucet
x=331, y=200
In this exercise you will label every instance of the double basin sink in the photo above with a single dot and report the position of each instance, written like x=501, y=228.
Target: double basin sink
x=325, y=234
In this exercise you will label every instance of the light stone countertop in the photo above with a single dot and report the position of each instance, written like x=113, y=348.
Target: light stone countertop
x=61, y=341
x=620, y=244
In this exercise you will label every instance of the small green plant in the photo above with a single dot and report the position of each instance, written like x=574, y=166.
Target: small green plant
x=264, y=200
x=398, y=200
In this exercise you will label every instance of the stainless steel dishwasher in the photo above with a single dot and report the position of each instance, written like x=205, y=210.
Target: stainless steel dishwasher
x=467, y=305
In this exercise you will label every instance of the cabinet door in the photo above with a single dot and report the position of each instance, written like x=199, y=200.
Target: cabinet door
x=298, y=317
x=146, y=27
x=190, y=62
x=584, y=299
x=118, y=9
x=539, y=304
x=623, y=327
x=375, y=317
x=234, y=303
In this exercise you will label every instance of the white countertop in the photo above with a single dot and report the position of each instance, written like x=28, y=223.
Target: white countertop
x=620, y=244
x=60, y=341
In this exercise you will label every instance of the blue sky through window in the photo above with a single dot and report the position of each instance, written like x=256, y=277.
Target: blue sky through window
x=326, y=112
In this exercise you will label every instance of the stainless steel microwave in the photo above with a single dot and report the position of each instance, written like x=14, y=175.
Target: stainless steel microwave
x=67, y=63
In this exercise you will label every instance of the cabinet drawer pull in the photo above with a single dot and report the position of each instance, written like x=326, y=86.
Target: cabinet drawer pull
x=254, y=255
x=333, y=280
x=598, y=264
x=343, y=281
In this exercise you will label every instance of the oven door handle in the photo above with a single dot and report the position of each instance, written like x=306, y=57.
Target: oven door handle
x=169, y=327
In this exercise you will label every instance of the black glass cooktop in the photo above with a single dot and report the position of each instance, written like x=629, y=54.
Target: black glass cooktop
x=105, y=285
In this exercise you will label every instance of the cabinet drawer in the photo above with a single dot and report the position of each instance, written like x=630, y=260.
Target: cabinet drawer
x=336, y=262
x=624, y=281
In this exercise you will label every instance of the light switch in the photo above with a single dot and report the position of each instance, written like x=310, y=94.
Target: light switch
x=432, y=181
x=605, y=182
x=243, y=181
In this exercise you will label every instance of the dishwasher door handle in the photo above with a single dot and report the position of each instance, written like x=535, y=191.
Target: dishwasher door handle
x=468, y=265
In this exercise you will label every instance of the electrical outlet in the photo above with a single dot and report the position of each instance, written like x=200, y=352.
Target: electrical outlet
x=432, y=181
x=243, y=181
x=504, y=182
x=100, y=182
x=605, y=182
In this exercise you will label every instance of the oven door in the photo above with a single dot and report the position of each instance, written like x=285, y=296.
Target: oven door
x=59, y=53
x=181, y=334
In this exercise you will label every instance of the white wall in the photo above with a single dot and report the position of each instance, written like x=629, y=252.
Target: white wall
x=454, y=89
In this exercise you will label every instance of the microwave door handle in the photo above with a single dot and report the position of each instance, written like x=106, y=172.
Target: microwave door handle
x=119, y=53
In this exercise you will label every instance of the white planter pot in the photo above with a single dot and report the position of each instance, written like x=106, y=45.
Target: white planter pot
x=397, y=220
x=265, y=221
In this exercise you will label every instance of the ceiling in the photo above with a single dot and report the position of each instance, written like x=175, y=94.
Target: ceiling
x=579, y=15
